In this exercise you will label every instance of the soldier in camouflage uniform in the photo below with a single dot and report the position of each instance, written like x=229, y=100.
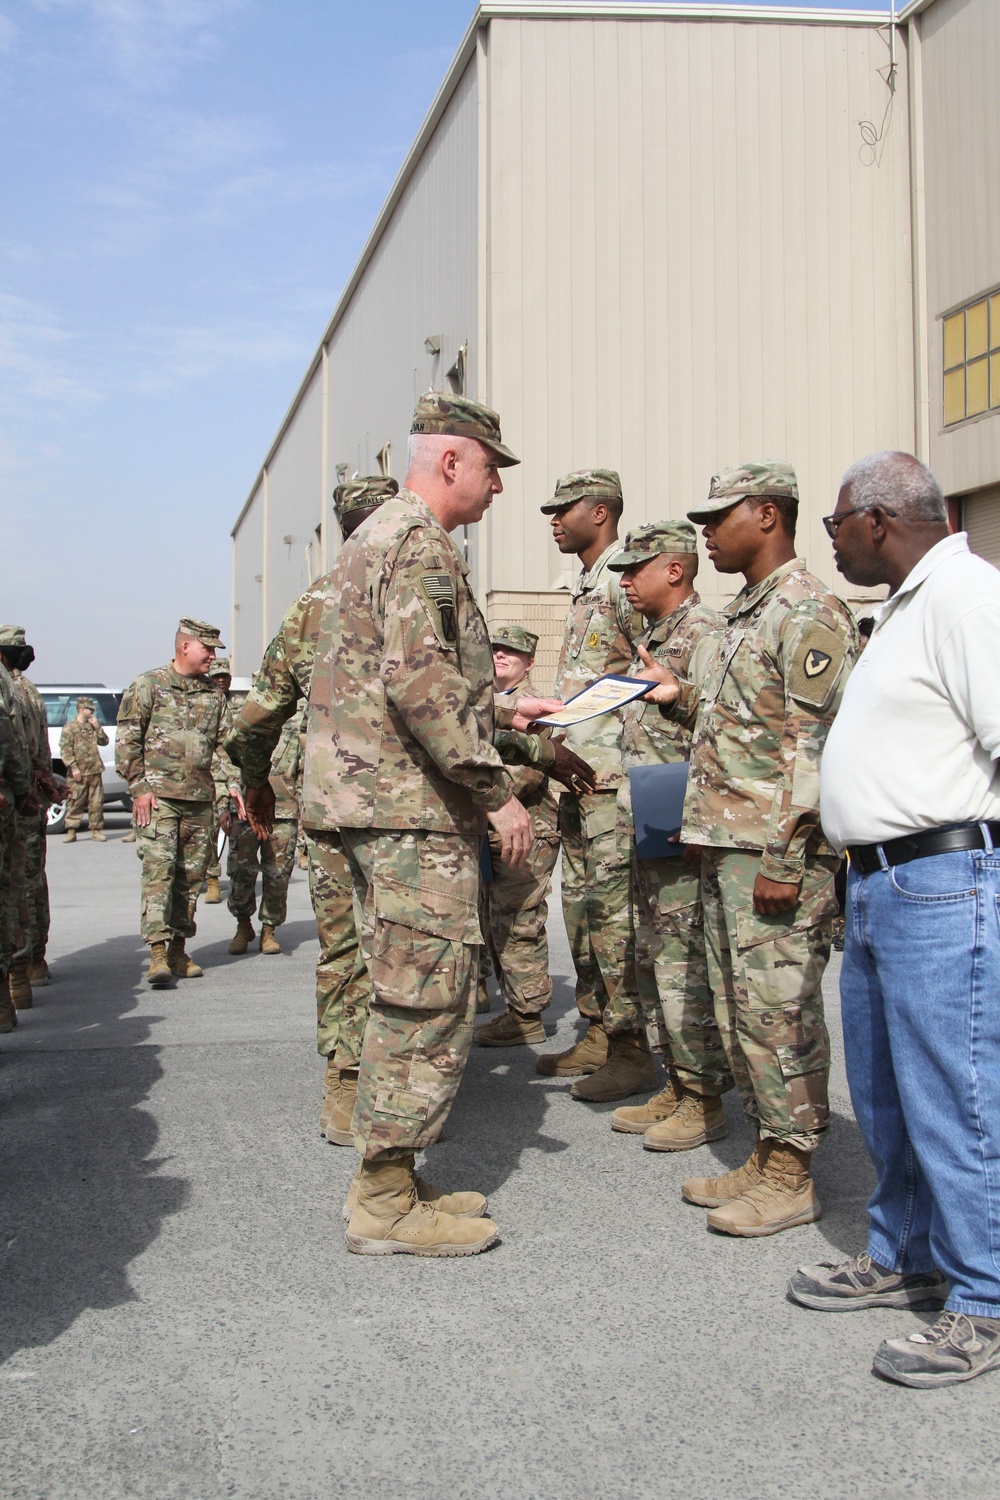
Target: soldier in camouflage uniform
x=400, y=752
x=171, y=726
x=275, y=854
x=220, y=675
x=16, y=797
x=284, y=678
x=30, y=910
x=513, y=906
x=765, y=692
x=596, y=875
x=78, y=747
x=658, y=568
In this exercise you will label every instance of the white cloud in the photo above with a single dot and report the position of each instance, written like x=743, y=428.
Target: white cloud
x=147, y=41
x=8, y=33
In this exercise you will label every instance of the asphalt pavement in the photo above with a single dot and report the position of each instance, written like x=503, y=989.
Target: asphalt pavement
x=179, y=1316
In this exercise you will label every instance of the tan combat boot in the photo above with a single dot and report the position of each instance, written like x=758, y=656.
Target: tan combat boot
x=461, y=1205
x=331, y=1085
x=129, y=837
x=19, y=985
x=630, y=1069
x=268, y=942
x=483, y=1001
x=338, y=1130
x=8, y=1012
x=180, y=964
x=784, y=1196
x=637, y=1118
x=585, y=1056
x=711, y=1192
x=510, y=1030
x=243, y=937
x=697, y=1119
x=389, y=1219
x=69, y=837
x=159, y=973
x=213, y=891
x=38, y=973
x=98, y=836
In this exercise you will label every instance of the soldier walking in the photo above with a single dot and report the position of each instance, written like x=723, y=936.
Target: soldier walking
x=171, y=725
x=765, y=697
x=78, y=747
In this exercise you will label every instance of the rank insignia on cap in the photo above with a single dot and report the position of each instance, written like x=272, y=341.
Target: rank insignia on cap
x=439, y=591
x=816, y=662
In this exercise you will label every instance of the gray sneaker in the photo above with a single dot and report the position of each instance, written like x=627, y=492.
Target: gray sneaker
x=858, y=1283
x=959, y=1346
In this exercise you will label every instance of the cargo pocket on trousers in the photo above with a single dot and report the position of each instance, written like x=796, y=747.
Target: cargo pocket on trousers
x=402, y=1104
x=412, y=970
x=805, y=1068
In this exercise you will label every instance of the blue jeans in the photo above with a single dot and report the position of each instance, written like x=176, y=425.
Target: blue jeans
x=920, y=998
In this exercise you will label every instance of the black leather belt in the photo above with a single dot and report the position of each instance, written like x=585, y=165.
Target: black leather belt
x=951, y=839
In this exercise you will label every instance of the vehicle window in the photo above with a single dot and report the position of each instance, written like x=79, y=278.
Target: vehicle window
x=61, y=707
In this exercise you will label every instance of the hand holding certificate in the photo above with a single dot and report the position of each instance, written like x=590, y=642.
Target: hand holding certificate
x=602, y=697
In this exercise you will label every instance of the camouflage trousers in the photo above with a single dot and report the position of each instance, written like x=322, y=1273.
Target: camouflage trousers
x=85, y=796
x=672, y=974
x=37, y=885
x=419, y=896
x=597, y=910
x=513, y=909
x=213, y=869
x=767, y=975
x=343, y=987
x=174, y=850
x=7, y=936
x=274, y=858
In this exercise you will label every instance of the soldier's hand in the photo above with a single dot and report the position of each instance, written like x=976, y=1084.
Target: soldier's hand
x=772, y=897
x=574, y=773
x=667, y=687
x=259, y=801
x=226, y=822
x=527, y=710
x=3, y=803
x=142, y=809
x=241, y=807
x=76, y=774
x=28, y=805
x=513, y=825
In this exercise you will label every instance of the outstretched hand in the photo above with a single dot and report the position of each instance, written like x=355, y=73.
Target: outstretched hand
x=259, y=803
x=527, y=710
x=575, y=774
x=667, y=687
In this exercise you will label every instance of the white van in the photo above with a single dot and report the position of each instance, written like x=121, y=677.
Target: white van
x=60, y=705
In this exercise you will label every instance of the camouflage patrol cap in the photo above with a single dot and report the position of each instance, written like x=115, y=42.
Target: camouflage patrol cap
x=363, y=493
x=12, y=635
x=744, y=482
x=221, y=667
x=514, y=638
x=86, y=703
x=457, y=416
x=654, y=540
x=584, y=484
x=207, y=634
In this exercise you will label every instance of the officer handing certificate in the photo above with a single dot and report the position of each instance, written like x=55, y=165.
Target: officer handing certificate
x=602, y=697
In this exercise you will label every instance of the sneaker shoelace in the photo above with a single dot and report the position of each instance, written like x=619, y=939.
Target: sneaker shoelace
x=951, y=1328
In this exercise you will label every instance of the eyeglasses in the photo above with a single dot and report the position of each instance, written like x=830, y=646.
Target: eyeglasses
x=833, y=523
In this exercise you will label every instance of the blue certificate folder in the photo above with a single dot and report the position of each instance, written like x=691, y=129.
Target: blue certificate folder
x=658, y=808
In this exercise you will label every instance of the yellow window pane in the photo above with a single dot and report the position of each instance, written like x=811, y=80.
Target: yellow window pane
x=995, y=379
x=954, y=396
x=977, y=387
x=995, y=322
x=954, y=341
x=976, y=332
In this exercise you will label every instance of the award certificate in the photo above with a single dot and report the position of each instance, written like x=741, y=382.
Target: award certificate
x=602, y=697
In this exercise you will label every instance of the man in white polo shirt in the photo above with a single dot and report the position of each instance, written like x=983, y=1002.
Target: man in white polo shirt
x=909, y=785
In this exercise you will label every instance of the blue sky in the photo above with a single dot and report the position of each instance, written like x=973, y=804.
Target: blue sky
x=186, y=185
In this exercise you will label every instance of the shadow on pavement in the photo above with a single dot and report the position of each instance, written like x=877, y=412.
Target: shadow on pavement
x=291, y=936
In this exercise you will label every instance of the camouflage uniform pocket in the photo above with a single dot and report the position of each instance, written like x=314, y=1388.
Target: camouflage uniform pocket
x=413, y=970
x=600, y=815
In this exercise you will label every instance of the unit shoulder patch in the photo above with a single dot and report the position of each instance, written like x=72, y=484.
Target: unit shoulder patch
x=438, y=590
x=816, y=666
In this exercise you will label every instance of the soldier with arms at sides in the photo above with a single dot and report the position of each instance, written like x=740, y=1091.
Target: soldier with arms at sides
x=78, y=747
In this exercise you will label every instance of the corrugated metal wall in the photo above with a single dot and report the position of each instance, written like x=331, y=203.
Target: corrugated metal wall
x=981, y=519
x=960, y=55
x=295, y=507
x=690, y=263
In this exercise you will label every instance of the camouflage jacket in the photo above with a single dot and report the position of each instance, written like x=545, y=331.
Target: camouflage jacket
x=765, y=692
x=225, y=777
x=286, y=765
x=78, y=744
x=400, y=728
x=15, y=762
x=36, y=722
x=650, y=734
x=532, y=787
x=169, y=730
x=599, y=634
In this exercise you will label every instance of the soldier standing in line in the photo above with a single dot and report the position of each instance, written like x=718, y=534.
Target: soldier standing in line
x=16, y=797
x=220, y=675
x=658, y=568
x=32, y=906
x=765, y=692
x=78, y=747
x=596, y=877
x=513, y=906
x=171, y=725
x=275, y=853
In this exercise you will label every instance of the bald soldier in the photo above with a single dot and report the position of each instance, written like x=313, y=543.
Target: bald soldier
x=761, y=696
x=171, y=726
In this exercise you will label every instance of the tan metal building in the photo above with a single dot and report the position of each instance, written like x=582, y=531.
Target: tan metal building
x=662, y=238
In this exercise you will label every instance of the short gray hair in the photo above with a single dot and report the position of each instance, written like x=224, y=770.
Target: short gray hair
x=898, y=481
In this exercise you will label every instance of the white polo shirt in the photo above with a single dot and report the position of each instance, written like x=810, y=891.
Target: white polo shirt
x=918, y=733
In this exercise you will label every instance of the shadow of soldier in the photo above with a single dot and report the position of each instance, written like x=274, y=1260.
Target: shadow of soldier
x=80, y=1194
x=291, y=936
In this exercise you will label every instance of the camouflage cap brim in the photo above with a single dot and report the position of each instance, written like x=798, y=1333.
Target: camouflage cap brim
x=441, y=415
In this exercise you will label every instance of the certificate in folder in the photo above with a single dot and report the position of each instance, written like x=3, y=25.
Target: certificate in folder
x=658, y=808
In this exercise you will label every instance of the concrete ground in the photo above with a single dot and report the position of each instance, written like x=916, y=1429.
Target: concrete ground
x=180, y=1316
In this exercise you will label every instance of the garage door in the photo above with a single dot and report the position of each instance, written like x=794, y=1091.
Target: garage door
x=981, y=519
